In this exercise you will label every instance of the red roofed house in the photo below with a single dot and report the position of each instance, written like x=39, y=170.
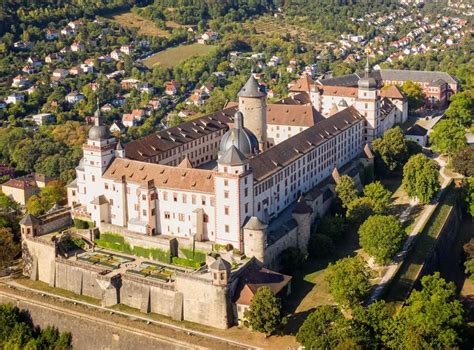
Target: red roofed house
x=22, y=188
x=171, y=87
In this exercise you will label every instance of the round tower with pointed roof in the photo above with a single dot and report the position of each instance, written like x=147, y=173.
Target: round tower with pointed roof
x=253, y=105
x=255, y=238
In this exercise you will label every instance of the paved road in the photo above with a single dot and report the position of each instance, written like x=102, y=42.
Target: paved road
x=398, y=259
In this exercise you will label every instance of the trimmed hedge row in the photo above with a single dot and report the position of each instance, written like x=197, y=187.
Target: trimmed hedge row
x=199, y=257
x=186, y=263
x=117, y=242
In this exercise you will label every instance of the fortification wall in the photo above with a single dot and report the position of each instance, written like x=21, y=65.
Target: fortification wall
x=88, y=333
x=204, y=302
x=55, y=222
x=273, y=252
x=76, y=278
x=38, y=255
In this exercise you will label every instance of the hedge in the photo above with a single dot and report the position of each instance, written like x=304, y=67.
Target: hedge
x=82, y=224
x=117, y=242
x=198, y=256
x=186, y=263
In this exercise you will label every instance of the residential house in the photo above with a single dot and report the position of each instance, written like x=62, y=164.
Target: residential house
x=106, y=108
x=20, y=189
x=126, y=49
x=171, y=88
x=75, y=24
x=75, y=70
x=74, y=97
x=154, y=104
x=77, y=46
x=15, y=98
x=34, y=62
x=52, y=34
x=117, y=127
x=20, y=82
x=86, y=68
x=208, y=37
x=59, y=74
x=116, y=55
x=68, y=31
x=291, y=68
x=28, y=69
x=54, y=57
x=43, y=118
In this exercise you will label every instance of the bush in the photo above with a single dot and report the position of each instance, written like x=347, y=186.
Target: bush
x=82, y=224
x=332, y=227
x=198, y=256
x=186, y=263
x=321, y=246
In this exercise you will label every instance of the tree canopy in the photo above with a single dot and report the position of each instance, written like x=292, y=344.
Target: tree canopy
x=463, y=161
x=348, y=281
x=421, y=178
x=392, y=148
x=414, y=95
x=346, y=190
x=264, y=313
x=448, y=137
x=381, y=236
x=461, y=108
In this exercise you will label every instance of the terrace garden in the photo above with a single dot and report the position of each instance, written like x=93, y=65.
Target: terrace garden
x=146, y=269
x=111, y=261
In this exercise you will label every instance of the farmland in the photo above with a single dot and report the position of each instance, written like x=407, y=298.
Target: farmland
x=143, y=25
x=170, y=57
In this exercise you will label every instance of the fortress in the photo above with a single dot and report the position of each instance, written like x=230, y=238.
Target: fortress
x=252, y=178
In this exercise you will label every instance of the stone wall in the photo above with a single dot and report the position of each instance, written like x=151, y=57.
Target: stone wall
x=55, y=222
x=88, y=333
x=39, y=256
x=272, y=252
x=204, y=302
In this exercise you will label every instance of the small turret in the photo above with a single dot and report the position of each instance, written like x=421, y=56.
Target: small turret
x=119, y=150
x=220, y=271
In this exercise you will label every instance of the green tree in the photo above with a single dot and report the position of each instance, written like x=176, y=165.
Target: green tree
x=8, y=247
x=346, y=190
x=292, y=259
x=461, y=107
x=359, y=210
x=349, y=281
x=320, y=245
x=34, y=206
x=324, y=328
x=381, y=236
x=371, y=325
x=391, y=148
x=463, y=161
x=332, y=226
x=448, y=137
x=468, y=194
x=414, y=95
x=432, y=318
x=379, y=194
x=421, y=178
x=264, y=313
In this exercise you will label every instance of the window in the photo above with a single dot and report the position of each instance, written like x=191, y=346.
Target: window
x=175, y=197
x=106, y=185
x=226, y=210
x=167, y=215
x=144, y=212
x=153, y=212
x=226, y=182
x=93, y=178
x=184, y=198
x=246, y=208
x=246, y=192
x=205, y=218
x=226, y=228
x=193, y=199
x=143, y=197
x=111, y=201
x=203, y=200
x=181, y=217
x=226, y=194
x=165, y=196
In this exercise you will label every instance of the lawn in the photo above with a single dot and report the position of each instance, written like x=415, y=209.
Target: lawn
x=170, y=57
x=143, y=25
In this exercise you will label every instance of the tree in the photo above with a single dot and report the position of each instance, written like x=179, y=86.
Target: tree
x=346, y=190
x=359, y=210
x=348, y=280
x=468, y=194
x=448, y=137
x=320, y=245
x=421, y=178
x=432, y=318
x=463, y=161
x=331, y=226
x=381, y=236
x=34, y=206
x=292, y=259
x=391, y=148
x=8, y=247
x=324, y=328
x=461, y=107
x=414, y=95
x=264, y=313
x=379, y=194
x=371, y=325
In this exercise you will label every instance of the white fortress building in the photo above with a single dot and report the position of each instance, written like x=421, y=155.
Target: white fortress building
x=244, y=176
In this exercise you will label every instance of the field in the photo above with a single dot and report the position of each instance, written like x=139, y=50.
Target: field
x=143, y=25
x=173, y=56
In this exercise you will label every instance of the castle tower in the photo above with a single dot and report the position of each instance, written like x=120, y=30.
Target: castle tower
x=255, y=238
x=220, y=272
x=253, y=105
x=368, y=104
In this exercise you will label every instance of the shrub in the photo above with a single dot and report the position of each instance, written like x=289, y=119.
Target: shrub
x=82, y=224
x=186, y=263
x=198, y=256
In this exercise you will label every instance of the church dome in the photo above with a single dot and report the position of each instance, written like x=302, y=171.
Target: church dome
x=99, y=132
x=367, y=82
x=239, y=137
